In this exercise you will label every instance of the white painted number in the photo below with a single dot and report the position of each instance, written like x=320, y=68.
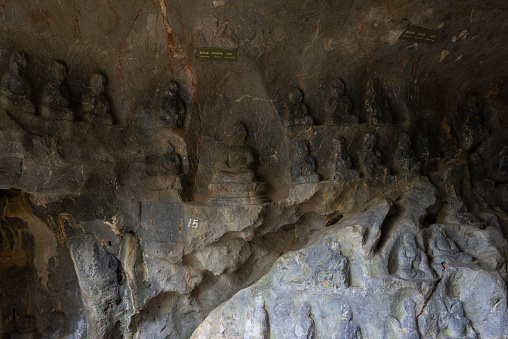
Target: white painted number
x=193, y=223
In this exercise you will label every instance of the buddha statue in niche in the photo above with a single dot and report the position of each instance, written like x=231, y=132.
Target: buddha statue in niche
x=413, y=262
x=95, y=106
x=15, y=89
x=234, y=178
x=55, y=96
x=370, y=158
x=296, y=112
x=172, y=108
x=235, y=161
x=445, y=250
x=338, y=107
x=340, y=162
x=404, y=158
x=304, y=167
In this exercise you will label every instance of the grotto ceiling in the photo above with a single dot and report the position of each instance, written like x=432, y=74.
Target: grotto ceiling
x=332, y=181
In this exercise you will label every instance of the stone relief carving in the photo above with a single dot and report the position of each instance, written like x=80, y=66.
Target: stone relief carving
x=407, y=327
x=26, y=327
x=453, y=321
x=347, y=328
x=296, y=112
x=15, y=89
x=444, y=250
x=55, y=96
x=163, y=170
x=340, y=162
x=404, y=158
x=377, y=107
x=304, y=166
x=234, y=177
x=447, y=140
x=256, y=326
x=413, y=262
x=334, y=272
x=304, y=327
x=468, y=122
x=95, y=106
x=56, y=327
x=172, y=108
x=370, y=158
x=338, y=107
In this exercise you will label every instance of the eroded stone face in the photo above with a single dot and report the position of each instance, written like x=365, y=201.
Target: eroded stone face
x=334, y=182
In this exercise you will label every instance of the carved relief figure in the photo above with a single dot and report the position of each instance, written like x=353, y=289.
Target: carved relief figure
x=407, y=327
x=55, y=96
x=469, y=122
x=445, y=250
x=422, y=145
x=172, y=108
x=503, y=160
x=370, y=158
x=447, y=139
x=304, y=167
x=347, y=328
x=235, y=161
x=404, y=159
x=413, y=263
x=95, y=106
x=26, y=328
x=332, y=273
x=340, y=162
x=296, y=112
x=15, y=88
x=377, y=106
x=256, y=326
x=454, y=320
x=56, y=327
x=234, y=177
x=168, y=164
x=338, y=107
x=304, y=328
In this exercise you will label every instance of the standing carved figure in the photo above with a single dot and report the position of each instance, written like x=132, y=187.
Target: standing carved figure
x=340, y=161
x=15, y=89
x=304, y=167
x=338, y=107
x=95, y=106
x=296, y=112
x=377, y=106
x=256, y=326
x=454, y=320
x=172, y=108
x=55, y=96
x=413, y=263
x=370, y=158
x=445, y=250
x=468, y=123
x=304, y=328
x=347, y=328
x=405, y=160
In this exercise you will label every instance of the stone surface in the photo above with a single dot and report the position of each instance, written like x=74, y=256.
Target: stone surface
x=130, y=208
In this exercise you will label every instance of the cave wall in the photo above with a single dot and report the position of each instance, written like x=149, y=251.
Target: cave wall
x=91, y=242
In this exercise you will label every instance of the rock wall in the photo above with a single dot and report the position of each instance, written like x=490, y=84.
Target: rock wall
x=333, y=182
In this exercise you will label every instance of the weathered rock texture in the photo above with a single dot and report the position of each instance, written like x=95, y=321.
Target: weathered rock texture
x=134, y=205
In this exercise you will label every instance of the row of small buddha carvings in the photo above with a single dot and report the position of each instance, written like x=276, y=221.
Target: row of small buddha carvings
x=95, y=107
